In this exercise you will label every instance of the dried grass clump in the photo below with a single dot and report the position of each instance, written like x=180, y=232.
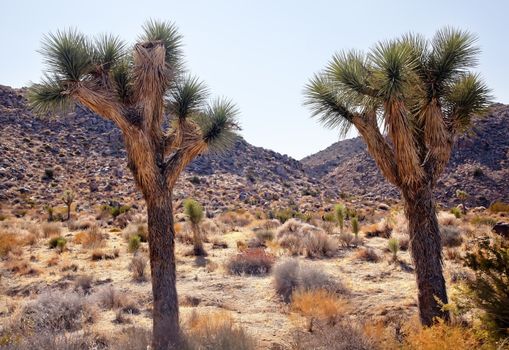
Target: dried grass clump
x=136, y=229
x=253, y=261
x=236, y=219
x=290, y=276
x=50, y=229
x=92, y=238
x=21, y=267
x=84, y=283
x=380, y=229
x=447, y=219
x=318, y=304
x=216, y=331
x=440, y=336
x=341, y=336
x=369, y=255
x=451, y=236
x=8, y=243
x=57, y=341
x=301, y=238
x=138, y=267
x=101, y=254
x=109, y=298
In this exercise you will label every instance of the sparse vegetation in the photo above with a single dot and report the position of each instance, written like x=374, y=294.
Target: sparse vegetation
x=68, y=198
x=393, y=246
x=138, y=267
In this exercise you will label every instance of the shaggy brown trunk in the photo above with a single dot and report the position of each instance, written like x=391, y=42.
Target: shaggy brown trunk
x=197, y=241
x=426, y=249
x=162, y=265
x=68, y=212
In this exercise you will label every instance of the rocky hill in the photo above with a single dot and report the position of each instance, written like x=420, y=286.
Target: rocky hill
x=39, y=158
x=479, y=165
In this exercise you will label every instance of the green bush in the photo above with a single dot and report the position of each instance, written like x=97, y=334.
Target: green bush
x=456, y=212
x=393, y=245
x=340, y=212
x=134, y=243
x=489, y=290
x=57, y=242
x=355, y=226
x=193, y=210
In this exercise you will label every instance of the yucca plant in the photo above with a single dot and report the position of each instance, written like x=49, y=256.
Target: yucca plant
x=355, y=227
x=339, y=213
x=393, y=246
x=407, y=98
x=68, y=198
x=165, y=120
x=194, y=212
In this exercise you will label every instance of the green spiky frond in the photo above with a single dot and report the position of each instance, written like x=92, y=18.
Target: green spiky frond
x=187, y=97
x=166, y=32
x=453, y=52
x=67, y=54
x=122, y=78
x=49, y=96
x=108, y=50
x=468, y=96
x=327, y=103
x=219, y=125
x=393, y=68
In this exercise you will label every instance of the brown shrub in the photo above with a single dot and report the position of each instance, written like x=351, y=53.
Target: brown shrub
x=253, y=261
x=368, y=254
x=318, y=304
x=109, y=298
x=381, y=229
x=8, y=243
x=50, y=229
x=138, y=267
x=301, y=238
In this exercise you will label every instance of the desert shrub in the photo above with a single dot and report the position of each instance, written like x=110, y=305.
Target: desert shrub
x=340, y=213
x=368, y=254
x=346, y=239
x=499, y=207
x=101, y=254
x=393, y=246
x=8, y=242
x=138, y=267
x=451, y=236
x=343, y=335
x=21, y=267
x=55, y=311
x=440, y=336
x=109, y=298
x=290, y=276
x=264, y=235
x=132, y=338
x=447, y=219
x=93, y=238
x=136, y=229
x=380, y=229
x=318, y=304
x=216, y=331
x=51, y=229
x=57, y=242
x=114, y=209
x=253, y=261
x=56, y=341
x=456, y=212
x=83, y=282
x=483, y=221
x=301, y=238
x=134, y=244
x=319, y=244
x=489, y=290
x=234, y=219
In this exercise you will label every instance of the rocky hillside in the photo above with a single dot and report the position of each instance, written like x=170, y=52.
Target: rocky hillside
x=479, y=165
x=39, y=158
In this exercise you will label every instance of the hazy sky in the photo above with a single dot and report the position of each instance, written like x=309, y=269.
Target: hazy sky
x=259, y=53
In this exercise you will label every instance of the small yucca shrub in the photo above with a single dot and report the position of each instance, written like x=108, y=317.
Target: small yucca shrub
x=393, y=246
x=489, y=290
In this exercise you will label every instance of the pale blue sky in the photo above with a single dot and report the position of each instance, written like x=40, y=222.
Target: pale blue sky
x=259, y=53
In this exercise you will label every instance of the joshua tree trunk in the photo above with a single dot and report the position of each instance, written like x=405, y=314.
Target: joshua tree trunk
x=426, y=249
x=197, y=241
x=68, y=212
x=162, y=265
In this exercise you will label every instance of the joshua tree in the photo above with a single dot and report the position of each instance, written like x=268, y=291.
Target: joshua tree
x=421, y=93
x=194, y=212
x=339, y=212
x=164, y=119
x=68, y=199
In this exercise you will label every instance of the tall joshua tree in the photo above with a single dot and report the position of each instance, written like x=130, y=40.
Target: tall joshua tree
x=407, y=98
x=164, y=118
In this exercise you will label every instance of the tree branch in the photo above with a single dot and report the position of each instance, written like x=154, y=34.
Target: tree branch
x=377, y=146
x=150, y=83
